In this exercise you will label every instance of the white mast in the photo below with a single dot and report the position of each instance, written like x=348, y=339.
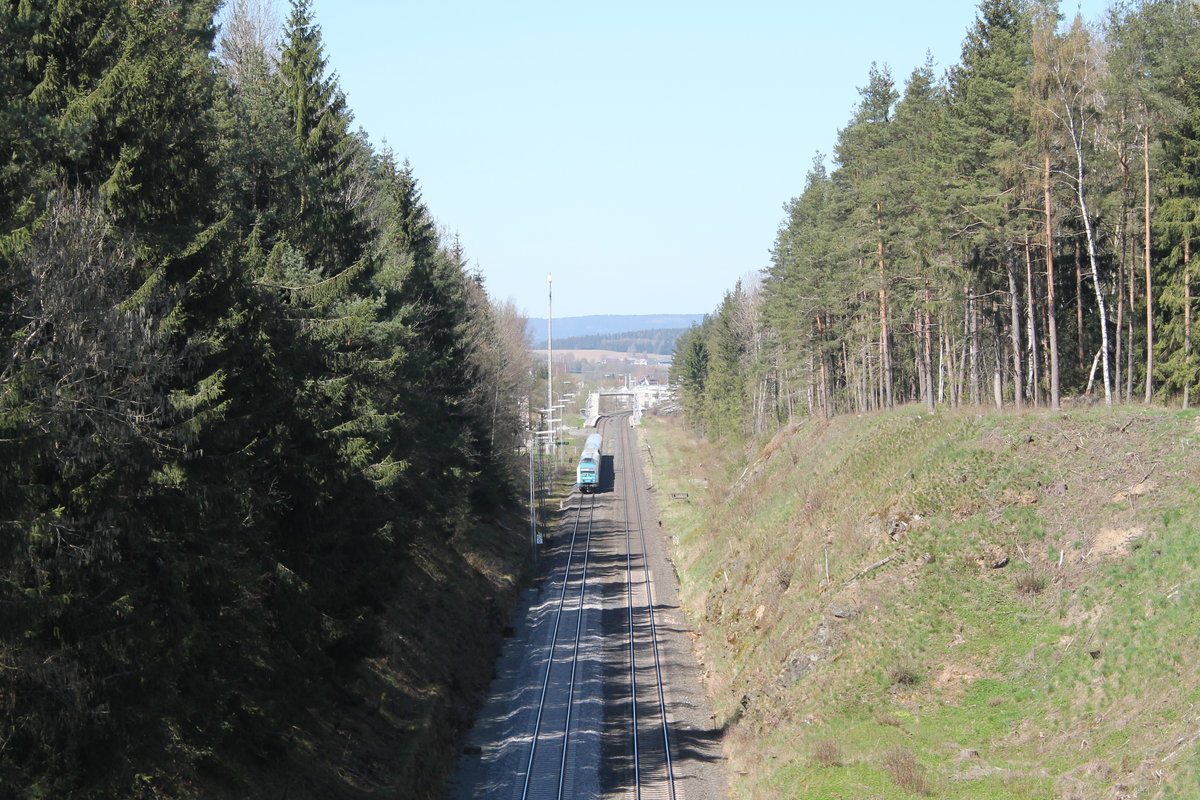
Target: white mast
x=550, y=359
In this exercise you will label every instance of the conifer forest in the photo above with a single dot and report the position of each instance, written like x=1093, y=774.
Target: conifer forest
x=242, y=370
x=1015, y=231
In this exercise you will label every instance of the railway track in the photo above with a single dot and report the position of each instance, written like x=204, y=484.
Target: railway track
x=651, y=765
x=552, y=767
x=594, y=721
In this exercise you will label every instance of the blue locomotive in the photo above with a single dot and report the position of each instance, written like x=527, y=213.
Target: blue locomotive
x=587, y=474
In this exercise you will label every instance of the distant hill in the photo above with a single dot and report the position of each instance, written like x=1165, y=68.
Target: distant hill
x=566, y=327
x=659, y=341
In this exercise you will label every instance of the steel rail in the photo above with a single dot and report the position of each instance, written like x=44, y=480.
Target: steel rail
x=525, y=791
x=629, y=478
x=637, y=775
x=562, y=766
x=662, y=702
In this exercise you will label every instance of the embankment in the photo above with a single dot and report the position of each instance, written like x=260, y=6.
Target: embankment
x=958, y=605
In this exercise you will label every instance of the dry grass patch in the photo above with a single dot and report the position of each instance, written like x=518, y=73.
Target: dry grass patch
x=888, y=718
x=906, y=771
x=904, y=673
x=827, y=753
x=1032, y=582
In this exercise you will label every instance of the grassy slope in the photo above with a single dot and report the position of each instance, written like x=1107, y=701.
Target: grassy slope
x=1070, y=672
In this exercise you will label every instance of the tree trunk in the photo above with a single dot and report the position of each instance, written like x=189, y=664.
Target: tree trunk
x=885, y=344
x=1030, y=320
x=1124, y=272
x=942, y=369
x=851, y=377
x=1014, y=327
x=1146, y=257
x=1187, y=316
x=973, y=344
x=928, y=348
x=1051, y=308
x=1079, y=304
x=1091, y=246
x=1120, y=321
x=1129, y=335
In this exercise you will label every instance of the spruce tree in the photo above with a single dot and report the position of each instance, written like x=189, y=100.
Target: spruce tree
x=689, y=371
x=1179, y=361
x=322, y=224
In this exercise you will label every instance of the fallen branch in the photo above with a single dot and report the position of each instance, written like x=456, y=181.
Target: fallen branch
x=1092, y=374
x=865, y=570
x=1143, y=479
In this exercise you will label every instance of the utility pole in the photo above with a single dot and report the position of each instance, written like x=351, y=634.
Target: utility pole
x=533, y=531
x=550, y=360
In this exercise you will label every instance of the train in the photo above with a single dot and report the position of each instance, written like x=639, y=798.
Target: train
x=587, y=474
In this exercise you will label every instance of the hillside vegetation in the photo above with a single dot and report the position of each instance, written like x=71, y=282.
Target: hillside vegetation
x=958, y=605
x=537, y=327
x=258, y=422
x=654, y=340
x=978, y=236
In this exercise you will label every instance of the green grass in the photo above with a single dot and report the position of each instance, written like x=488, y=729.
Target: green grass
x=1043, y=667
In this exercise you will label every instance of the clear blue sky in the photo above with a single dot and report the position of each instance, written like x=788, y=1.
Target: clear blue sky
x=639, y=151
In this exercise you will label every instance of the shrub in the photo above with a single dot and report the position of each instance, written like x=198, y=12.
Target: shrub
x=1031, y=582
x=907, y=773
x=904, y=673
x=827, y=753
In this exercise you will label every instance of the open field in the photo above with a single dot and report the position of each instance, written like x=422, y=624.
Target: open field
x=597, y=356
x=958, y=605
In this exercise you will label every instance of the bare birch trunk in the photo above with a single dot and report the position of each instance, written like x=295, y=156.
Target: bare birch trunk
x=1091, y=246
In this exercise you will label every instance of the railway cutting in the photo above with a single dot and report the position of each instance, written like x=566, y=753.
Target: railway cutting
x=598, y=693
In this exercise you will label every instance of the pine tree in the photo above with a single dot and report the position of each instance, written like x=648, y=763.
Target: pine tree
x=917, y=183
x=862, y=153
x=988, y=135
x=1039, y=99
x=808, y=291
